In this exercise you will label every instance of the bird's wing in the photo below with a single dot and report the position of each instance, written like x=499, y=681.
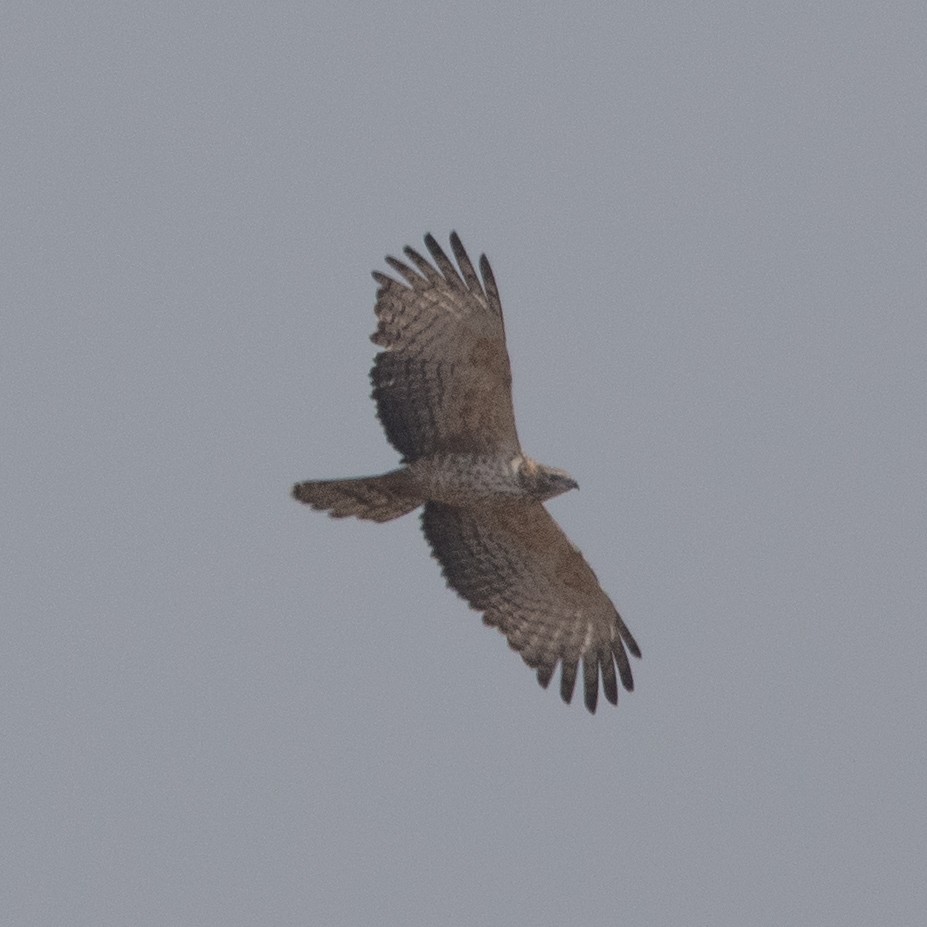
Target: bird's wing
x=442, y=382
x=515, y=564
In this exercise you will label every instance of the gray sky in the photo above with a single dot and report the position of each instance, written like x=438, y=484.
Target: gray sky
x=709, y=228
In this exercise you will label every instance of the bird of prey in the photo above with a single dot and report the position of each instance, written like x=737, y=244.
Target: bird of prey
x=443, y=389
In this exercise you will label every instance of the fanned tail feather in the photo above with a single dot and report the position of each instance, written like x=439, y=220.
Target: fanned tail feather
x=375, y=498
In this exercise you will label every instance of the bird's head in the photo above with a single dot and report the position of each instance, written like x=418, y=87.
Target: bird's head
x=546, y=482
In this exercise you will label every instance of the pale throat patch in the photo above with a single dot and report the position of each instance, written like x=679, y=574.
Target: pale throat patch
x=519, y=462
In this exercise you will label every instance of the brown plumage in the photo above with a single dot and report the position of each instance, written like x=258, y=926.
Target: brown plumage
x=442, y=384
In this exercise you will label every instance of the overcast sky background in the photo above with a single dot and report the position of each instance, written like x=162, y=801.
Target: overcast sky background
x=709, y=227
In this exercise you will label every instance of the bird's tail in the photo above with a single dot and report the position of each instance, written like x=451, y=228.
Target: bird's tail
x=377, y=498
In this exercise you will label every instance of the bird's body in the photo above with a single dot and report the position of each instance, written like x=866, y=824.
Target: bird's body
x=482, y=479
x=442, y=384
x=469, y=479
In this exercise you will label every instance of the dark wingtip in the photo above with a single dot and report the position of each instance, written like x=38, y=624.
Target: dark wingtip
x=591, y=683
x=544, y=675
x=398, y=266
x=567, y=681
x=609, y=681
x=627, y=637
x=488, y=277
x=624, y=667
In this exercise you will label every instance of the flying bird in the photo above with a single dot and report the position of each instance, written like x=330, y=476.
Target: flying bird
x=442, y=384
